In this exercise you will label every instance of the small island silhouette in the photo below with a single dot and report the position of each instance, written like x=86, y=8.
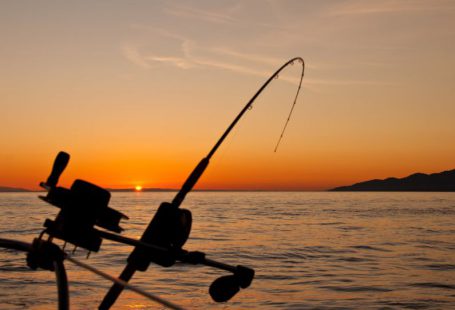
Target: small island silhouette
x=12, y=189
x=417, y=182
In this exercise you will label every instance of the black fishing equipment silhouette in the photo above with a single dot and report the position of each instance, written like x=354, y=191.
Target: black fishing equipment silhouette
x=84, y=209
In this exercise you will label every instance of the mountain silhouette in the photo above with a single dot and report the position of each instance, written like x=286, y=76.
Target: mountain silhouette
x=417, y=182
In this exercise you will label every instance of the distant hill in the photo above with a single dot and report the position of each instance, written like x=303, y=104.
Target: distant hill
x=12, y=189
x=418, y=182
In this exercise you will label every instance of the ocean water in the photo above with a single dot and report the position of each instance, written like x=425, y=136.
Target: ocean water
x=310, y=250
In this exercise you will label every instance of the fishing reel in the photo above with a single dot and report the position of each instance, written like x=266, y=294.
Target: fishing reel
x=169, y=229
x=82, y=207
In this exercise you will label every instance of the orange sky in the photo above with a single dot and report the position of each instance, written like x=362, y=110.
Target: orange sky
x=138, y=92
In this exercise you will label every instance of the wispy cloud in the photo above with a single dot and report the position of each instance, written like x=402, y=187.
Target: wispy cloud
x=132, y=54
x=344, y=82
x=249, y=57
x=210, y=16
x=192, y=54
x=224, y=16
x=396, y=6
x=147, y=61
x=187, y=54
x=187, y=61
x=176, y=61
x=230, y=67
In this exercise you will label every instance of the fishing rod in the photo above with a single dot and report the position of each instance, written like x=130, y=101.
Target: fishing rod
x=85, y=205
x=170, y=213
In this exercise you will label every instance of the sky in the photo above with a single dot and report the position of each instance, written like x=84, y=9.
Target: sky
x=139, y=91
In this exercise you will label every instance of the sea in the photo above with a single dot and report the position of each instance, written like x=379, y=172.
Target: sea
x=310, y=250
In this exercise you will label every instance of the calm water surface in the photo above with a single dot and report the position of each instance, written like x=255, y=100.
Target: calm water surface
x=310, y=251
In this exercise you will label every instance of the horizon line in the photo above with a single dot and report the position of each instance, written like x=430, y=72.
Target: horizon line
x=152, y=189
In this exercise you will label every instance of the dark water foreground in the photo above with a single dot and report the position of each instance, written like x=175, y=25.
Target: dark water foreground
x=309, y=250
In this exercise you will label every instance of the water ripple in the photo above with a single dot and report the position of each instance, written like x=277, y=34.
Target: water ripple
x=309, y=251
x=356, y=288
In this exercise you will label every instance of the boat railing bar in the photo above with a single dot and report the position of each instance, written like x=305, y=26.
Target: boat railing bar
x=62, y=279
x=59, y=268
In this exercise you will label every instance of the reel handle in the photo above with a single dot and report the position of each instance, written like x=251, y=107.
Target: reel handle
x=60, y=163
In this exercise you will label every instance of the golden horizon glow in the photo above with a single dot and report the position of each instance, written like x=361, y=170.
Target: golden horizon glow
x=143, y=93
x=138, y=188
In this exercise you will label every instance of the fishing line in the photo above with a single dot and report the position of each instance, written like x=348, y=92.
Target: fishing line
x=292, y=110
x=131, y=287
x=250, y=103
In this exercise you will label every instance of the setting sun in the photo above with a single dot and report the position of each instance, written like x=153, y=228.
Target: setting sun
x=138, y=188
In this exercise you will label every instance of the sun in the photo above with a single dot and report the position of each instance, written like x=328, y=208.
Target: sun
x=138, y=188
